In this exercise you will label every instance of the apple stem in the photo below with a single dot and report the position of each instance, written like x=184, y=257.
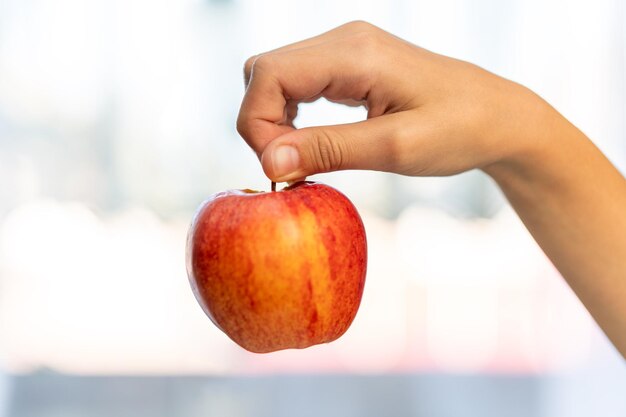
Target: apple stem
x=273, y=186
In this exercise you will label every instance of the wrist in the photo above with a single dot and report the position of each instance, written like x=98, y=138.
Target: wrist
x=537, y=139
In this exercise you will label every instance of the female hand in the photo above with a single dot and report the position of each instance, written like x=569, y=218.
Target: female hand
x=427, y=114
x=433, y=115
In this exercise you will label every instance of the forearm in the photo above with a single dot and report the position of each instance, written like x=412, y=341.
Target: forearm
x=573, y=201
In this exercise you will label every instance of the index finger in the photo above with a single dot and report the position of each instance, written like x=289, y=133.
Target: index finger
x=329, y=70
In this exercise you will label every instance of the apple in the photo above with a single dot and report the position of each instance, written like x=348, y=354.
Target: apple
x=280, y=269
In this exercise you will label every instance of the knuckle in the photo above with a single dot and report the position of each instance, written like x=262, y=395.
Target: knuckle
x=247, y=66
x=247, y=127
x=328, y=154
x=262, y=63
x=242, y=126
x=256, y=63
x=361, y=25
x=367, y=42
x=251, y=133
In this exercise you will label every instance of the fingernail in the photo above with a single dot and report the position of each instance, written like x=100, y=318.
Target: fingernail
x=285, y=160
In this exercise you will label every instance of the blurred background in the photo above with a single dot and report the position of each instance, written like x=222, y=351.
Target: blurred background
x=117, y=118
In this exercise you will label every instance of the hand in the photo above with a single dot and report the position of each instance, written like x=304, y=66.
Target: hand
x=433, y=115
x=427, y=114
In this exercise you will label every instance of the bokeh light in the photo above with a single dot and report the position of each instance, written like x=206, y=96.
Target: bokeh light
x=117, y=118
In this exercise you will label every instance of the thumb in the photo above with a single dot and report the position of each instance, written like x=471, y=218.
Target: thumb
x=371, y=144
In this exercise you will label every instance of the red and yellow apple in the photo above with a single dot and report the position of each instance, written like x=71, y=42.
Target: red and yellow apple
x=281, y=269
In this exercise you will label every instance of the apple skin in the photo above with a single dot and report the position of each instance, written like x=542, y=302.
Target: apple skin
x=278, y=270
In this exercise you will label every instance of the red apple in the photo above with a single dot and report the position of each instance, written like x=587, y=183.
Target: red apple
x=281, y=269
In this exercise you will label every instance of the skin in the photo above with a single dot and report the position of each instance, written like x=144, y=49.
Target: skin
x=433, y=115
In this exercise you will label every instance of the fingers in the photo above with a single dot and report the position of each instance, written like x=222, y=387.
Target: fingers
x=374, y=144
x=333, y=34
x=280, y=80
